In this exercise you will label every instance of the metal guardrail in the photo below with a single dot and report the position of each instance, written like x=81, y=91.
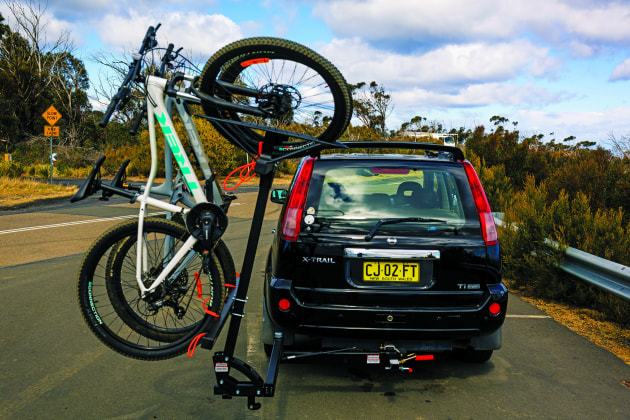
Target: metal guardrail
x=604, y=274
x=607, y=275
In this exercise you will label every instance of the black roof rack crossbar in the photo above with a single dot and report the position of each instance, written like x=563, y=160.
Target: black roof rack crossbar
x=457, y=153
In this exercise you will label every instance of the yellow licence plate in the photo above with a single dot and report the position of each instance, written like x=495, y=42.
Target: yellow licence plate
x=391, y=271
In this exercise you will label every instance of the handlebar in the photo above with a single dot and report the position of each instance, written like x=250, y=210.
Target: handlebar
x=123, y=95
x=167, y=58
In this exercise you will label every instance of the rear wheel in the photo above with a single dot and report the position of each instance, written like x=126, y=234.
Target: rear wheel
x=161, y=324
x=300, y=91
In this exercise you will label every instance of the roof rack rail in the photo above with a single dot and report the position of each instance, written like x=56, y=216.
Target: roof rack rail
x=456, y=153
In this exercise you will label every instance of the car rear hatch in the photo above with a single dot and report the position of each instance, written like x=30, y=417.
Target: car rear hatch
x=382, y=233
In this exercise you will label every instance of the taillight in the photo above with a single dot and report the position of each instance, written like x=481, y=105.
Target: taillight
x=284, y=304
x=297, y=200
x=488, y=228
x=494, y=309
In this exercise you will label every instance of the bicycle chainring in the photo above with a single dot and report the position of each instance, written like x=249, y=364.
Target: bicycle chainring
x=206, y=222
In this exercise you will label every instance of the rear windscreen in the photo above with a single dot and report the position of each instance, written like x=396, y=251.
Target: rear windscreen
x=358, y=194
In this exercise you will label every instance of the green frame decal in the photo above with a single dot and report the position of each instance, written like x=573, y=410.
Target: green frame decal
x=178, y=154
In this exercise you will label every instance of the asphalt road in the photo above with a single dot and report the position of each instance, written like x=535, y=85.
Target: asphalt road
x=52, y=367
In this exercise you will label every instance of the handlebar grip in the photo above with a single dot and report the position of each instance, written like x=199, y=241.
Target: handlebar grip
x=166, y=58
x=149, y=38
x=136, y=124
x=108, y=113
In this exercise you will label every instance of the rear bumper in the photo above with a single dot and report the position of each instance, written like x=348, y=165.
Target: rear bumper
x=358, y=314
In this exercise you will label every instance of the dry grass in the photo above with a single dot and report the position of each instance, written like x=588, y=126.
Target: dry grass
x=15, y=192
x=590, y=325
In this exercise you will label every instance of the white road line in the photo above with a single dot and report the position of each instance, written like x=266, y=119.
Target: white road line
x=78, y=222
x=528, y=316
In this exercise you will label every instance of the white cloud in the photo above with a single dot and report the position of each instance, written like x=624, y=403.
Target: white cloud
x=592, y=126
x=597, y=22
x=557, y=21
x=203, y=34
x=622, y=71
x=386, y=19
x=582, y=49
x=443, y=68
x=51, y=27
x=477, y=95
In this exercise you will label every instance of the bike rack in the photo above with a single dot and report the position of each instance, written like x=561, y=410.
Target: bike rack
x=224, y=361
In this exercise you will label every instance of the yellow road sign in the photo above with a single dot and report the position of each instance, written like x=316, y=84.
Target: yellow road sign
x=51, y=115
x=50, y=131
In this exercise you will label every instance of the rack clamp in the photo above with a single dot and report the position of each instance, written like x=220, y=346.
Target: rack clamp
x=265, y=163
x=227, y=386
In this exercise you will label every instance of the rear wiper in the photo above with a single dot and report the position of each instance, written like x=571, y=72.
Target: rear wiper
x=382, y=222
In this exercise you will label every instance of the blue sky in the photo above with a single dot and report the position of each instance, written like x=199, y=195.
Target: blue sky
x=554, y=66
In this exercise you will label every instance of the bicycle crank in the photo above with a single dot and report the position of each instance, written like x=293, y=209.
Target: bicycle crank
x=206, y=222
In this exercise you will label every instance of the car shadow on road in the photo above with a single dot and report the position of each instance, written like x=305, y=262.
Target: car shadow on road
x=353, y=371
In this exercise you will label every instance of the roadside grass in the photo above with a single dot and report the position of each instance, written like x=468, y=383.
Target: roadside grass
x=15, y=191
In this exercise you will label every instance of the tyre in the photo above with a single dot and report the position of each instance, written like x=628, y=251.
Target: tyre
x=226, y=262
x=162, y=324
x=305, y=92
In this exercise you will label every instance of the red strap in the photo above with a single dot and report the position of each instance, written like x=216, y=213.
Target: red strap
x=193, y=344
x=208, y=311
x=246, y=171
x=198, y=278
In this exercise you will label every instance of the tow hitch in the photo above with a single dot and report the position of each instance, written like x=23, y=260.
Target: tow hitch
x=395, y=359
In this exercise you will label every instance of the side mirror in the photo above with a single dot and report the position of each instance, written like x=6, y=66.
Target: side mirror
x=278, y=196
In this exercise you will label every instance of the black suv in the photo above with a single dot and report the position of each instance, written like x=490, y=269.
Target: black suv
x=381, y=250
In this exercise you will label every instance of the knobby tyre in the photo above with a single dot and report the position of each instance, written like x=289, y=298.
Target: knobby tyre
x=321, y=100
x=162, y=325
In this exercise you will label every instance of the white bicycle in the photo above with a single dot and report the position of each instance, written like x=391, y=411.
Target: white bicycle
x=148, y=287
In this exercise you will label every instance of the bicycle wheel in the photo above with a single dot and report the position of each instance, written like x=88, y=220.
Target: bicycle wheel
x=162, y=324
x=303, y=91
x=141, y=315
x=147, y=316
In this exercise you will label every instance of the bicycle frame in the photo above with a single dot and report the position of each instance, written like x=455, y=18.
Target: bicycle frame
x=157, y=110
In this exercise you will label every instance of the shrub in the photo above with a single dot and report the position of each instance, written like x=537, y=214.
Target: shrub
x=496, y=184
x=11, y=169
x=531, y=266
